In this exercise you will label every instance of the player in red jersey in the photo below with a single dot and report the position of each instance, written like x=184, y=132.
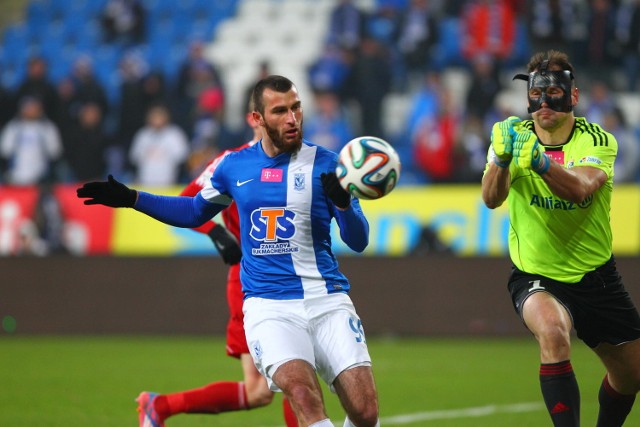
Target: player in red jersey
x=222, y=396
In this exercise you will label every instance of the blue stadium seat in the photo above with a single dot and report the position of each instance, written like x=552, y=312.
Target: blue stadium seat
x=223, y=8
x=94, y=8
x=12, y=75
x=87, y=36
x=38, y=14
x=16, y=36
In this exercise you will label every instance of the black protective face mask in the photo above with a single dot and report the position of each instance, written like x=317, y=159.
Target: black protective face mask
x=543, y=79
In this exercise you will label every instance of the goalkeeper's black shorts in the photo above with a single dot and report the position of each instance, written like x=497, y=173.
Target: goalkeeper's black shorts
x=599, y=305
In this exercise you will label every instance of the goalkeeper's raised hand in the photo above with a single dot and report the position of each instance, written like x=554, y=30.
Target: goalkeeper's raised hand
x=226, y=244
x=527, y=152
x=109, y=193
x=502, y=142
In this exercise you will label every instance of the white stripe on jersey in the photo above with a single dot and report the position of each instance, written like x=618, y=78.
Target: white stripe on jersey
x=304, y=260
x=212, y=195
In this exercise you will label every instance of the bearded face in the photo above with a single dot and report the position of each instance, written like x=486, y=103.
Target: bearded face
x=282, y=120
x=285, y=141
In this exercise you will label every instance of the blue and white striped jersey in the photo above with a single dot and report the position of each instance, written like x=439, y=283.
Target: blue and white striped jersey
x=285, y=219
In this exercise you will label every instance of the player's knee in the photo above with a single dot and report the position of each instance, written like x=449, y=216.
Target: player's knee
x=305, y=397
x=365, y=415
x=554, y=335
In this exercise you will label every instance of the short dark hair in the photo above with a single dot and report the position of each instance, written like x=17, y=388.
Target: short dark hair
x=554, y=57
x=274, y=82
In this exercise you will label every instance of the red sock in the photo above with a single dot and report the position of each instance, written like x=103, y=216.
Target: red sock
x=289, y=417
x=210, y=399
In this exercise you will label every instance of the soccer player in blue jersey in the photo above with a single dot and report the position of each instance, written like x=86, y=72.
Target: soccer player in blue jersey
x=299, y=319
x=556, y=173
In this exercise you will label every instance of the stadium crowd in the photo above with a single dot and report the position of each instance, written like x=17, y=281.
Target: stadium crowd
x=79, y=125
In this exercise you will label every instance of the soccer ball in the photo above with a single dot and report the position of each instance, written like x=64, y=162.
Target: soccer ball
x=368, y=167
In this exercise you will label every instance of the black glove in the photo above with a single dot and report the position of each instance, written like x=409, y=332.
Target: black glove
x=226, y=244
x=338, y=195
x=109, y=193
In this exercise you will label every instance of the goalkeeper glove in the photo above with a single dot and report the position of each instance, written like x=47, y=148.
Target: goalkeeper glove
x=502, y=142
x=338, y=195
x=109, y=193
x=527, y=152
x=226, y=244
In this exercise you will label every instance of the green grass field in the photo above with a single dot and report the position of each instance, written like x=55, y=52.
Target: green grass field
x=92, y=381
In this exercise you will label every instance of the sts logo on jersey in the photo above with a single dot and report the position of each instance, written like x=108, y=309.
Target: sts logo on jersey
x=274, y=227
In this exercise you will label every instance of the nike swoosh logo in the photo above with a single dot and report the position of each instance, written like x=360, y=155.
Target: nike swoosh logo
x=240, y=183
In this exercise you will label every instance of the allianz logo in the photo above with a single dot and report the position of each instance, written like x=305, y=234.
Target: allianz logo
x=553, y=203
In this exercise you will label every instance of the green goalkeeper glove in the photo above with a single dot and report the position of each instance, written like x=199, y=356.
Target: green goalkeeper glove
x=527, y=152
x=502, y=142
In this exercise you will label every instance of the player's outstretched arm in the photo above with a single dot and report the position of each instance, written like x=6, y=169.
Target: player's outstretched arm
x=179, y=211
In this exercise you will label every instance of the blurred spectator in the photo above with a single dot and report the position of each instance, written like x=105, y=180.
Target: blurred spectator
x=195, y=75
x=453, y=8
x=159, y=149
x=86, y=144
x=7, y=105
x=382, y=24
x=46, y=236
x=87, y=87
x=368, y=84
x=434, y=140
x=600, y=102
x=207, y=130
x=484, y=87
x=628, y=36
x=488, y=27
x=123, y=21
x=329, y=126
x=627, y=165
x=67, y=113
x=472, y=150
x=330, y=70
x=346, y=25
x=37, y=84
x=30, y=145
x=418, y=37
x=130, y=111
x=424, y=102
x=154, y=91
x=550, y=23
x=602, y=53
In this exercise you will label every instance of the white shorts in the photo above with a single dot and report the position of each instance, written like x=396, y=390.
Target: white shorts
x=324, y=331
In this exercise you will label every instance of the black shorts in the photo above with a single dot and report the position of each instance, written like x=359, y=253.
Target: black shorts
x=600, y=307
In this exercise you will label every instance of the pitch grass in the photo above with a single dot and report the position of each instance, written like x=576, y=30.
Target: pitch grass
x=92, y=381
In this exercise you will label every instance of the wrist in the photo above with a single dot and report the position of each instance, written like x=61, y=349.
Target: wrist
x=133, y=198
x=501, y=163
x=543, y=165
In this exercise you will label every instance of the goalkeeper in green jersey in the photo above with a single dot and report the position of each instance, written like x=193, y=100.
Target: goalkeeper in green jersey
x=555, y=171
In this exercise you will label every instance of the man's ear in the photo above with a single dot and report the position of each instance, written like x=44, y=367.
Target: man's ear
x=257, y=117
